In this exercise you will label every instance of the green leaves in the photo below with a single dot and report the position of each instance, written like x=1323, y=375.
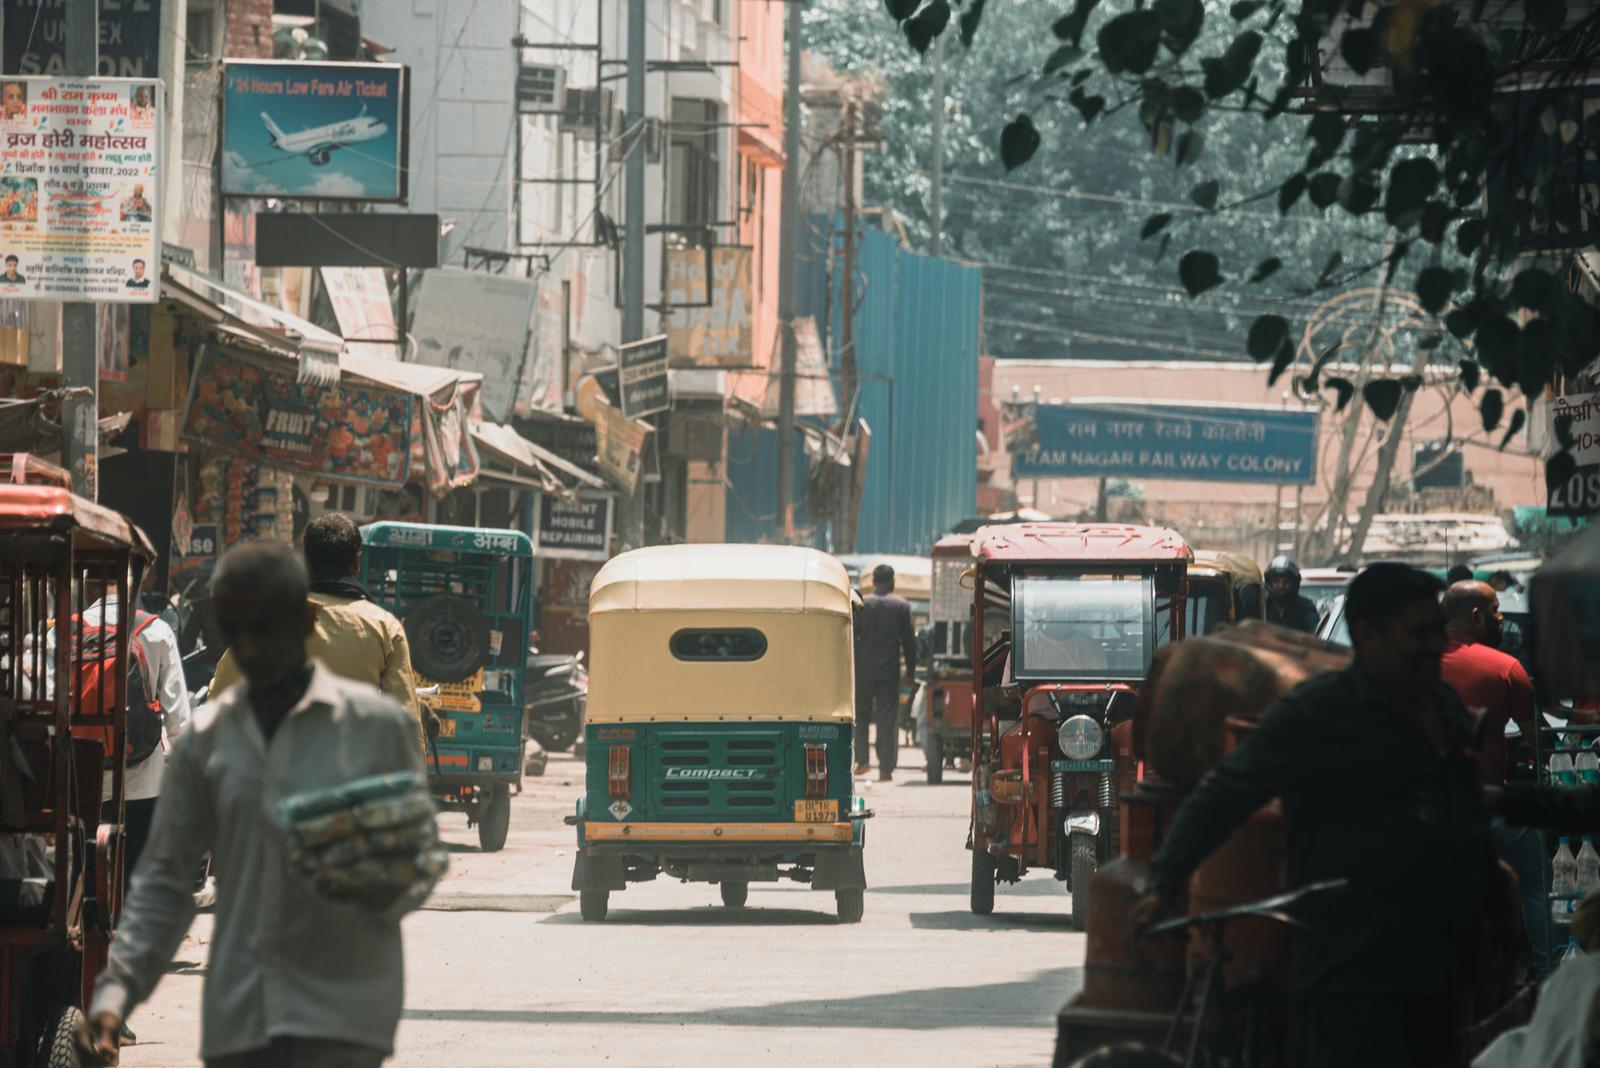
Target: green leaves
x=1205, y=194
x=1268, y=334
x=1018, y=142
x=1291, y=191
x=1470, y=375
x=1154, y=225
x=970, y=18
x=1533, y=288
x=1069, y=27
x=1383, y=396
x=1411, y=183
x=1518, y=419
x=1558, y=470
x=1491, y=408
x=1326, y=131
x=1434, y=286
x=1199, y=271
x=901, y=10
x=1089, y=106
x=1182, y=21
x=1229, y=71
x=1190, y=144
x=1188, y=103
x=1324, y=189
x=1265, y=269
x=1129, y=42
x=930, y=22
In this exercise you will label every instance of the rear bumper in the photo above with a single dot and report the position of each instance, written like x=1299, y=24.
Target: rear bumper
x=776, y=833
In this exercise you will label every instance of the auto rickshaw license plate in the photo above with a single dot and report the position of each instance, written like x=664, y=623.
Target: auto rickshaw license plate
x=447, y=727
x=825, y=811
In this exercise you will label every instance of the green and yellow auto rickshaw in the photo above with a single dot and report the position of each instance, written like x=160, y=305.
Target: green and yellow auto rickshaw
x=719, y=725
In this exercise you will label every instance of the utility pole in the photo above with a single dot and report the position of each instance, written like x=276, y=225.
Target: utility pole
x=788, y=254
x=631, y=506
x=80, y=348
x=935, y=207
x=847, y=284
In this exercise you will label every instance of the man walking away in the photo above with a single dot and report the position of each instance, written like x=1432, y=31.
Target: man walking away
x=883, y=635
x=1375, y=769
x=1495, y=688
x=353, y=637
x=294, y=980
x=1285, y=606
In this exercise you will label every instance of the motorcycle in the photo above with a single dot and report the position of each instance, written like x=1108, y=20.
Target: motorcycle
x=557, y=689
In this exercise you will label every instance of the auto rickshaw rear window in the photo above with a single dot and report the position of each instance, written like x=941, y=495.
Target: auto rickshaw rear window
x=719, y=644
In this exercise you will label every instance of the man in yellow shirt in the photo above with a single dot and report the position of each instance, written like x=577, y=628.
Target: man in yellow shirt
x=351, y=636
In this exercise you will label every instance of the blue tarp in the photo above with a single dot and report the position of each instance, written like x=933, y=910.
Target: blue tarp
x=916, y=342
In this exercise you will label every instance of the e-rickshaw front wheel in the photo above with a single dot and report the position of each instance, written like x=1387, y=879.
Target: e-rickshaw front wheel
x=58, y=1045
x=593, y=904
x=982, y=882
x=850, y=905
x=494, y=817
x=735, y=894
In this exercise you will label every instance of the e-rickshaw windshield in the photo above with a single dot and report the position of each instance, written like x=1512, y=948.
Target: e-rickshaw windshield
x=1072, y=626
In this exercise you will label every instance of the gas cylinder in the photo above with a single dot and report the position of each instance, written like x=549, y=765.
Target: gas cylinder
x=1248, y=867
x=1117, y=974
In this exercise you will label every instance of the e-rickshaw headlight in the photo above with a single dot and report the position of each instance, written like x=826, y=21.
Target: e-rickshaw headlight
x=1081, y=738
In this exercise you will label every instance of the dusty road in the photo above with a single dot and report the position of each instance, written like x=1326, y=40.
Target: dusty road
x=501, y=970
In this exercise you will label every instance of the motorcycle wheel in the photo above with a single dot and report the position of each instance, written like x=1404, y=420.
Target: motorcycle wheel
x=1084, y=860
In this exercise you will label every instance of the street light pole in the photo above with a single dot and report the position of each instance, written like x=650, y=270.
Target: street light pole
x=80, y=348
x=630, y=508
x=788, y=253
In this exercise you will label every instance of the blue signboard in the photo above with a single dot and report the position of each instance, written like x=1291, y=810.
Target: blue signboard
x=1113, y=439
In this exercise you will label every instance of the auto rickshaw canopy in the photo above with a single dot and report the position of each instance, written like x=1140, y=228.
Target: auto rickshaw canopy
x=708, y=633
x=1241, y=569
x=92, y=526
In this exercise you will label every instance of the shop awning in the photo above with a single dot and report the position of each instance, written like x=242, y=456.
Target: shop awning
x=450, y=405
x=260, y=324
x=511, y=457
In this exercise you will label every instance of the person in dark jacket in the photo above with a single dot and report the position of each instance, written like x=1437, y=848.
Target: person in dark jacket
x=1380, y=787
x=883, y=636
x=1285, y=606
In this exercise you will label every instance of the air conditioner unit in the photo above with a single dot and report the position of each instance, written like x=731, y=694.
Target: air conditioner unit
x=541, y=89
x=586, y=110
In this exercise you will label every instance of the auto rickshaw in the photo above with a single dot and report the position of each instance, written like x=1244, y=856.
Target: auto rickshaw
x=465, y=595
x=1224, y=587
x=720, y=724
x=62, y=731
x=1089, y=603
x=945, y=716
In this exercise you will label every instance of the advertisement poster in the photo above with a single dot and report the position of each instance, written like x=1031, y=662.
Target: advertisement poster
x=577, y=528
x=360, y=299
x=1131, y=439
x=129, y=46
x=720, y=333
x=1579, y=495
x=473, y=321
x=332, y=131
x=642, y=371
x=78, y=190
x=351, y=433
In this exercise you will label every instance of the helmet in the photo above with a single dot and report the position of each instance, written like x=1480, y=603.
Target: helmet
x=1283, y=567
x=373, y=842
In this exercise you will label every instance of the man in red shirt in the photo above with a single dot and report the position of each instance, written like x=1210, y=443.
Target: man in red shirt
x=1496, y=689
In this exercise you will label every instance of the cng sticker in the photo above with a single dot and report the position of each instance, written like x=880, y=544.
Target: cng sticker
x=620, y=810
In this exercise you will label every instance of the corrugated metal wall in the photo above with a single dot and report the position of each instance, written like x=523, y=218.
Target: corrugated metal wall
x=916, y=340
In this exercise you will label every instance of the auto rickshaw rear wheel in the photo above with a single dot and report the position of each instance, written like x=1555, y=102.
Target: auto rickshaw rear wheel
x=494, y=817
x=850, y=904
x=593, y=904
x=735, y=894
x=1084, y=859
x=58, y=1045
x=982, y=882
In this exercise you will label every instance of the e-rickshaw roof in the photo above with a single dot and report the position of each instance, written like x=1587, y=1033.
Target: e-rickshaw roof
x=1079, y=543
x=494, y=541
x=953, y=545
x=745, y=578
x=913, y=575
x=1241, y=568
x=30, y=508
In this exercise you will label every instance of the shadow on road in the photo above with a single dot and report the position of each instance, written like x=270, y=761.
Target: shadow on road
x=1027, y=888
x=1023, y=1003
x=711, y=916
x=964, y=920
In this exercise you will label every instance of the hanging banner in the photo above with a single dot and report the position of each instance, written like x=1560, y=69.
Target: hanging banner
x=129, y=47
x=621, y=447
x=360, y=299
x=544, y=377
x=577, y=528
x=78, y=190
x=719, y=332
x=247, y=408
x=330, y=131
x=642, y=372
x=475, y=321
x=1132, y=439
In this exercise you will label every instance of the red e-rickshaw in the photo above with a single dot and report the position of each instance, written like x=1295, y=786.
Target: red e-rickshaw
x=62, y=712
x=945, y=727
x=1088, y=606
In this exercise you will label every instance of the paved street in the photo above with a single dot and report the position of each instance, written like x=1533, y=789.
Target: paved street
x=502, y=971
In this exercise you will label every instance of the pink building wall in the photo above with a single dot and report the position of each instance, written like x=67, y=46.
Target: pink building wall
x=760, y=142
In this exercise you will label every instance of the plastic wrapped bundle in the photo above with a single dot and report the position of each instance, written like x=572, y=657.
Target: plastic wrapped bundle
x=1197, y=685
x=373, y=842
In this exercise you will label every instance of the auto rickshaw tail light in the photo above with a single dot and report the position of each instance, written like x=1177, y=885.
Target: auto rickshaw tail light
x=619, y=772
x=816, y=769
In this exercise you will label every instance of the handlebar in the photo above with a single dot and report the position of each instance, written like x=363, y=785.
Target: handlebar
x=1270, y=908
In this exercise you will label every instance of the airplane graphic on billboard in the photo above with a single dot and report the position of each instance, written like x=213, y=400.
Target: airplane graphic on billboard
x=317, y=144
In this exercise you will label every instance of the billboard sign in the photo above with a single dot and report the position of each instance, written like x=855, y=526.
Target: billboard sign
x=1194, y=442
x=474, y=321
x=79, y=190
x=642, y=370
x=576, y=528
x=251, y=409
x=327, y=131
x=710, y=324
x=130, y=38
